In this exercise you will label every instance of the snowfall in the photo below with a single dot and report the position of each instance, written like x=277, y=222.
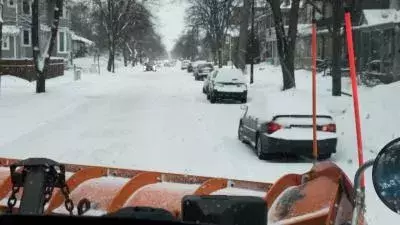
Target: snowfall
x=162, y=121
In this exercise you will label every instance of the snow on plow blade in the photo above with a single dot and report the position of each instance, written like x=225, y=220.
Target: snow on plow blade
x=321, y=196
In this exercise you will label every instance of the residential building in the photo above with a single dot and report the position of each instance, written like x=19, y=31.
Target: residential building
x=17, y=29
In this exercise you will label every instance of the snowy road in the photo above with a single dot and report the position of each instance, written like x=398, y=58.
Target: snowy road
x=162, y=121
x=159, y=121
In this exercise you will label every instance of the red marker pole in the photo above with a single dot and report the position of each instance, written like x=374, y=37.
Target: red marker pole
x=350, y=50
x=314, y=88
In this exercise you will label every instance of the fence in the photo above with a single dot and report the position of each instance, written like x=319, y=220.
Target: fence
x=25, y=69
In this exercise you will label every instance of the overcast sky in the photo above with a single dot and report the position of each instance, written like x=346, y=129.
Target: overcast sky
x=170, y=21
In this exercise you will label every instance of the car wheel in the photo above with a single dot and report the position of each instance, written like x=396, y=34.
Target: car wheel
x=260, y=153
x=213, y=99
x=240, y=131
x=244, y=100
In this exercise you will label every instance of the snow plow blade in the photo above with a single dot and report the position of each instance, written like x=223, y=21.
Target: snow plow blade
x=322, y=196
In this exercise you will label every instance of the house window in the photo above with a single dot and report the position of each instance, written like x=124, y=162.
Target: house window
x=26, y=38
x=26, y=7
x=11, y=3
x=6, y=43
x=62, y=42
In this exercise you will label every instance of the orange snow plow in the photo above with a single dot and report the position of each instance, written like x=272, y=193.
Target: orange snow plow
x=109, y=189
x=322, y=196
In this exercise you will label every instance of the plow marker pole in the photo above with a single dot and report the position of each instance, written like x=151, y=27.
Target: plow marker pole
x=350, y=50
x=359, y=209
x=314, y=88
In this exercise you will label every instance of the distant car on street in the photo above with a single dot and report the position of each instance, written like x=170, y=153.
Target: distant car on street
x=227, y=83
x=282, y=124
x=150, y=66
x=193, y=66
x=185, y=64
x=202, y=70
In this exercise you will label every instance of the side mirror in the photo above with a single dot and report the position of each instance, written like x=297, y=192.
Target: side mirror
x=386, y=175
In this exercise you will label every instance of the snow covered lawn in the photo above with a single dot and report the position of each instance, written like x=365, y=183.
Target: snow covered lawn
x=162, y=121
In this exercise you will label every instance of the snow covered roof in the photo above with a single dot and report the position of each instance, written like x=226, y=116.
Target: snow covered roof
x=76, y=37
x=380, y=16
x=10, y=29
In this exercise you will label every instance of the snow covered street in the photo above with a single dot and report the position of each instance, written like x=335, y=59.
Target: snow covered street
x=162, y=121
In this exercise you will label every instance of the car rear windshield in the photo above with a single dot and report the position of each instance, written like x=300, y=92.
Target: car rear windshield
x=201, y=66
x=230, y=76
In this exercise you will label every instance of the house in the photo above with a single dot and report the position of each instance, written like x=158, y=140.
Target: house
x=80, y=45
x=17, y=29
x=324, y=37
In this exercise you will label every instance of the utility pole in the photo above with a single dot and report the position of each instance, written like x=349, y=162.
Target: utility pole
x=252, y=45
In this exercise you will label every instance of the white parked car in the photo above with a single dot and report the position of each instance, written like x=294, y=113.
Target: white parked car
x=281, y=123
x=227, y=83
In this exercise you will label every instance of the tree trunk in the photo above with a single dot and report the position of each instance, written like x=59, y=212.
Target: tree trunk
x=337, y=49
x=41, y=83
x=110, y=60
x=286, y=45
x=220, y=56
x=244, y=22
x=1, y=27
x=41, y=61
x=125, y=57
x=1, y=39
x=113, y=53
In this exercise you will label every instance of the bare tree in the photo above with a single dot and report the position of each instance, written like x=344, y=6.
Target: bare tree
x=286, y=43
x=243, y=35
x=1, y=26
x=41, y=57
x=115, y=19
x=136, y=31
x=214, y=17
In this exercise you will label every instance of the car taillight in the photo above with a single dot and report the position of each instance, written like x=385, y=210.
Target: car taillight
x=272, y=127
x=329, y=128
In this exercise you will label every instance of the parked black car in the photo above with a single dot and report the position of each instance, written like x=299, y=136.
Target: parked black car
x=227, y=83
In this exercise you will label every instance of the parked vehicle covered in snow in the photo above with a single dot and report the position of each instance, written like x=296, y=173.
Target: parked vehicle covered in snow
x=184, y=64
x=207, y=81
x=202, y=70
x=193, y=66
x=227, y=83
x=282, y=124
x=150, y=66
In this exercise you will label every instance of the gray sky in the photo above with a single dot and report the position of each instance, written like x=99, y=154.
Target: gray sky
x=170, y=21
